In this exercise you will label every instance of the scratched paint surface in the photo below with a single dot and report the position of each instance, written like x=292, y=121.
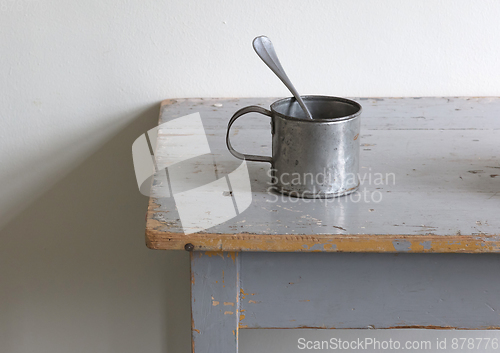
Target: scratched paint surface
x=214, y=302
x=439, y=192
x=290, y=290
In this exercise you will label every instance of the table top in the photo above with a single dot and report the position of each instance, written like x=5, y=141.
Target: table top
x=430, y=182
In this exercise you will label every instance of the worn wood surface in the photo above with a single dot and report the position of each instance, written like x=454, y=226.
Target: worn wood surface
x=215, y=302
x=381, y=291
x=441, y=152
x=252, y=290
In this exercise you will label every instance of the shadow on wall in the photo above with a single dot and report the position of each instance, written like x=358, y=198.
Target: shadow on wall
x=75, y=272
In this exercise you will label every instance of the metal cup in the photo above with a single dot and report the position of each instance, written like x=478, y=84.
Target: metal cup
x=311, y=158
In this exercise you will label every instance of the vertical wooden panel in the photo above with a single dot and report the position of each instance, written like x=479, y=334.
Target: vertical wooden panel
x=215, y=302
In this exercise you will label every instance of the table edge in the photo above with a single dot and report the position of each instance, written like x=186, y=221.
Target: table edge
x=378, y=243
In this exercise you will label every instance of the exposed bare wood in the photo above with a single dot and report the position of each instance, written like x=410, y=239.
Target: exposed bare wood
x=445, y=199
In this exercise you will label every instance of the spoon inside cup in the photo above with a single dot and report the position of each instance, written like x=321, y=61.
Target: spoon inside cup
x=265, y=50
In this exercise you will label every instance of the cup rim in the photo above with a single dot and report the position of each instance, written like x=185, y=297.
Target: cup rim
x=315, y=97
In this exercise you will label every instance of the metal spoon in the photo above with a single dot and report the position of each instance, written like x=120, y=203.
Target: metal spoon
x=265, y=50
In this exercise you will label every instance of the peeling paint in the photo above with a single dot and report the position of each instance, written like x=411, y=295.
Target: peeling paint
x=229, y=303
x=164, y=231
x=228, y=312
x=329, y=246
x=426, y=244
x=401, y=245
x=321, y=247
x=479, y=243
x=214, y=253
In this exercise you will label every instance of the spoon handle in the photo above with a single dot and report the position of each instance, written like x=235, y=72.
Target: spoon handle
x=265, y=50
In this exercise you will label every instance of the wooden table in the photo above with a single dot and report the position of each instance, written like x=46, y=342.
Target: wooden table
x=278, y=263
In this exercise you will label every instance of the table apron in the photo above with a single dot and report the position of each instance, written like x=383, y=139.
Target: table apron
x=352, y=290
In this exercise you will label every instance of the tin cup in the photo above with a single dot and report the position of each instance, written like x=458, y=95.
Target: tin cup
x=311, y=158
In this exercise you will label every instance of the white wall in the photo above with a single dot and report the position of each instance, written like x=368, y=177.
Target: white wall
x=80, y=80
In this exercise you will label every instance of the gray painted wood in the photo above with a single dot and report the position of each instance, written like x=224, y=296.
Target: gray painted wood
x=371, y=341
x=214, y=302
x=442, y=152
x=335, y=290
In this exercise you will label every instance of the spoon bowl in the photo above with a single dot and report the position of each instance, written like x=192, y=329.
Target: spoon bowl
x=265, y=50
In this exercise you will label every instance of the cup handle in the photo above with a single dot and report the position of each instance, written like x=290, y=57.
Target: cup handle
x=243, y=111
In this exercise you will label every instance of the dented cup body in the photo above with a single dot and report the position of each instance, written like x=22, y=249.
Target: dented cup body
x=312, y=158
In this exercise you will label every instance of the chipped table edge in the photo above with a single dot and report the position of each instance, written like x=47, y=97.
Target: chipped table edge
x=375, y=243
x=321, y=243
x=160, y=239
